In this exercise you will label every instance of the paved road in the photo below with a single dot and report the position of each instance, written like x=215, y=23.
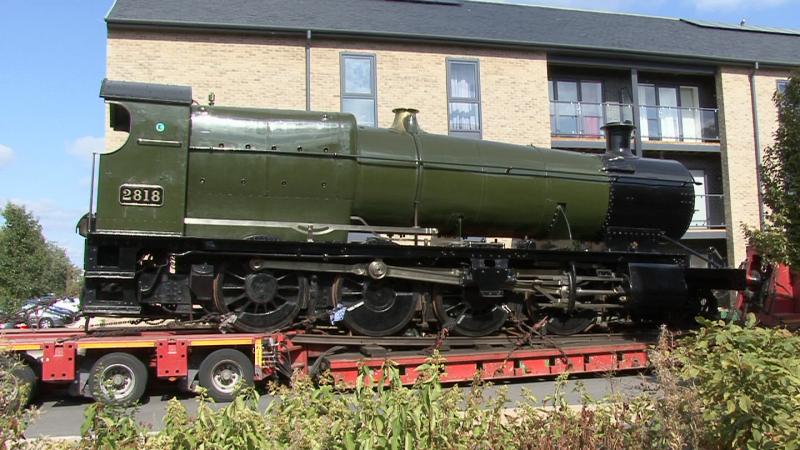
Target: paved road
x=61, y=415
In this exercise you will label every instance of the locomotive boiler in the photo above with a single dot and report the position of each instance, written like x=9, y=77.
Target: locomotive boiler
x=250, y=215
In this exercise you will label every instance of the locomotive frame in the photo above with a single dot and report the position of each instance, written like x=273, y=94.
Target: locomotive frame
x=296, y=266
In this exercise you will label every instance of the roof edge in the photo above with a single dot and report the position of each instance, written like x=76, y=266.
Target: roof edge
x=182, y=25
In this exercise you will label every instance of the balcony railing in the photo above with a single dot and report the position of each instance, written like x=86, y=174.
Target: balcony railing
x=584, y=119
x=671, y=123
x=709, y=211
x=658, y=123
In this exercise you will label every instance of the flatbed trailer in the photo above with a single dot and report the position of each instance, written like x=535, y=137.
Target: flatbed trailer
x=116, y=364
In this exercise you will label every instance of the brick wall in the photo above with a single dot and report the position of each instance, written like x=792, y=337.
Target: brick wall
x=270, y=73
x=241, y=70
x=514, y=102
x=738, y=147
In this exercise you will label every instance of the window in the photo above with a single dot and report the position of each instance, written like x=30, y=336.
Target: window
x=673, y=113
x=463, y=98
x=576, y=108
x=782, y=86
x=700, y=217
x=358, y=88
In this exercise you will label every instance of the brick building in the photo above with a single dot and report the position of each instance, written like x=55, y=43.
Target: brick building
x=698, y=92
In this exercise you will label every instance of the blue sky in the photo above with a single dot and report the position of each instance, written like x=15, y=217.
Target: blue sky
x=51, y=118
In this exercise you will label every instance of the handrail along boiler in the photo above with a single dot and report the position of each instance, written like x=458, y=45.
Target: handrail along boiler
x=248, y=213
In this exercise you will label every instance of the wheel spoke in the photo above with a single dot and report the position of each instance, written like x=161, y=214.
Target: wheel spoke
x=229, y=301
x=247, y=305
x=234, y=287
x=461, y=306
x=234, y=275
x=351, y=292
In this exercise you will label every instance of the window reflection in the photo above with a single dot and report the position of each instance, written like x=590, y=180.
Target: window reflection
x=463, y=94
x=357, y=75
x=358, y=88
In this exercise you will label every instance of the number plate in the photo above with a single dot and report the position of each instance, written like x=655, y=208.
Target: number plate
x=141, y=195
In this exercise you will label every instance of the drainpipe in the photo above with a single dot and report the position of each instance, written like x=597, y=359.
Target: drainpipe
x=637, y=119
x=757, y=142
x=308, y=70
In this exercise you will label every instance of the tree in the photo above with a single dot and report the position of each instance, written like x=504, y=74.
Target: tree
x=779, y=241
x=29, y=265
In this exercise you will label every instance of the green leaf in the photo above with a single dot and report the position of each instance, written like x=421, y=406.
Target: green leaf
x=744, y=403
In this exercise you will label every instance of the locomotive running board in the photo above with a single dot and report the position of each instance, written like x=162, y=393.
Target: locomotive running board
x=311, y=229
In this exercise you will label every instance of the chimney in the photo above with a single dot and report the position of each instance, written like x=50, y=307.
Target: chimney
x=618, y=139
x=405, y=120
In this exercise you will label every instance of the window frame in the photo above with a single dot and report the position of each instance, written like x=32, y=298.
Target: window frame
x=552, y=84
x=343, y=95
x=779, y=83
x=578, y=88
x=477, y=100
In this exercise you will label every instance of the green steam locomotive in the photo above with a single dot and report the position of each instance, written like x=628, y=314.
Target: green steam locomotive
x=266, y=218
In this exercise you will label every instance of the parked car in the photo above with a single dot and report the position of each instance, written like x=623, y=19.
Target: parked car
x=50, y=312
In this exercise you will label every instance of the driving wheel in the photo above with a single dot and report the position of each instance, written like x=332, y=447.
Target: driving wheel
x=262, y=300
x=375, y=307
x=468, y=314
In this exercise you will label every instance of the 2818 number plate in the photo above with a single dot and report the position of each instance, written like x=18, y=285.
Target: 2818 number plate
x=141, y=195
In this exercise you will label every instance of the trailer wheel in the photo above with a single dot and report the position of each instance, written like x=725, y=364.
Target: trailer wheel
x=24, y=385
x=118, y=378
x=222, y=371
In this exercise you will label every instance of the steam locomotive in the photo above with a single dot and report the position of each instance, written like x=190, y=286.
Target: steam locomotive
x=267, y=218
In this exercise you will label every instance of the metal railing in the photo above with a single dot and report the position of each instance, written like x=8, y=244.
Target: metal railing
x=584, y=119
x=658, y=123
x=672, y=123
x=709, y=211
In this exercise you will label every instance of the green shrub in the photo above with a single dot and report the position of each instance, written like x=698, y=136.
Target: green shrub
x=14, y=416
x=747, y=379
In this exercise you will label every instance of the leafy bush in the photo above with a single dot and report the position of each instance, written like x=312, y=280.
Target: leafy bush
x=747, y=381
x=14, y=416
x=779, y=238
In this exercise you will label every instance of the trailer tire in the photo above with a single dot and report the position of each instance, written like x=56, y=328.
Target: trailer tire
x=24, y=386
x=223, y=371
x=127, y=375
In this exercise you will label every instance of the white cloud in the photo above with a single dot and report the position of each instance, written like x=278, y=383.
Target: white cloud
x=6, y=155
x=86, y=145
x=651, y=6
x=729, y=5
x=597, y=5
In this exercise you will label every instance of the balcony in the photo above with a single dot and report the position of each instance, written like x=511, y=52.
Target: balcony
x=584, y=119
x=709, y=211
x=676, y=124
x=662, y=124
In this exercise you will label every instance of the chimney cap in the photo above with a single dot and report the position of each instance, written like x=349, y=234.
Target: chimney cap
x=408, y=110
x=405, y=120
x=625, y=123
